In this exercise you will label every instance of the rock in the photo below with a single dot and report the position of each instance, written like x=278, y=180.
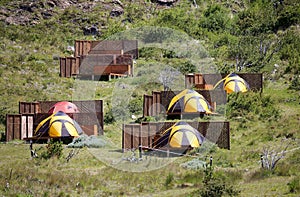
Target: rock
x=52, y=4
x=118, y=2
x=93, y=30
x=46, y=14
x=165, y=2
x=116, y=12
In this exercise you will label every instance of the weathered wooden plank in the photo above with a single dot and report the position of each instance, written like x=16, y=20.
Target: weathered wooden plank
x=146, y=134
x=28, y=107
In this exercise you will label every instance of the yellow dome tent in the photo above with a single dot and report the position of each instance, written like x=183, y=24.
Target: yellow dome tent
x=58, y=125
x=189, y=101
x=180, y=135
x=233, y=83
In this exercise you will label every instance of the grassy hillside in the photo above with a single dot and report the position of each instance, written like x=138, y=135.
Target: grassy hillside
x=242, y=36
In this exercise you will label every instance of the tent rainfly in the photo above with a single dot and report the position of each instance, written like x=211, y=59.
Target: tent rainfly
x=233, y=83
x=58, y=124
x=64, y=106
x=189, y=101
x=180, y=135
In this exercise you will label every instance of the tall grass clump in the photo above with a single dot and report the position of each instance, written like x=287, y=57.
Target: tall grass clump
x=294, y=185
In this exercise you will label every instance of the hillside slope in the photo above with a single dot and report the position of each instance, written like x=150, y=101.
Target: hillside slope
x=241, y=36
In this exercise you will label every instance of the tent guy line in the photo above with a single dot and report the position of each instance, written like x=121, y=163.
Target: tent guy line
x=159, y=150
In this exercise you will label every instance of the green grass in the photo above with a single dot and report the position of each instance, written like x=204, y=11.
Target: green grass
x=29, y=71
x=101, y=171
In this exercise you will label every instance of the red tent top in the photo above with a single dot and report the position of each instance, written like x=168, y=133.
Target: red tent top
x=64, y=106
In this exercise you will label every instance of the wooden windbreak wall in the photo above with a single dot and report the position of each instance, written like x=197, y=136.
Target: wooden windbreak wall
x=69, y=66
x=123, y=52
x=158, y=102
x=152, y=104
x=255, y=80
x=129, y=47
x=84, y=47
x=19, y=126
x=29, y=107
x=96, y=64
x=147, y=133
x=22, y=125
x=90, y=113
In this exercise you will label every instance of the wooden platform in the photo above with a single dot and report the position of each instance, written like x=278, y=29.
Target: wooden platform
x=45, y=139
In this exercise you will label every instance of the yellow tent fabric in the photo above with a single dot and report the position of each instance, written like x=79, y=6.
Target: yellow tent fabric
x=234, y=83
x=181, y=134
x=189, y=101
x=58, y=125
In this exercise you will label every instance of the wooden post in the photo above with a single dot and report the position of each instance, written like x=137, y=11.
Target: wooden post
x=95, y=130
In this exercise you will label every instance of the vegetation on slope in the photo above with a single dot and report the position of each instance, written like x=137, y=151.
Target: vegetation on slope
x=244, y=36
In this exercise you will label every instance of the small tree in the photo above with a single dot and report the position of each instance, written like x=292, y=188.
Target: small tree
x=167, y=77
x=270, y=157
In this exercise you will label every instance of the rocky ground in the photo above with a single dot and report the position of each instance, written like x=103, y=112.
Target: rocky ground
x=32, y=12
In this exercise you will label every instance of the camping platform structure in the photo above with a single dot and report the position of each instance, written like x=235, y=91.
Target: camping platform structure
x=146, y=134
x=96, y=60
x=208, y=81
x=158, y=102
x=21, y=126
x=65, y=140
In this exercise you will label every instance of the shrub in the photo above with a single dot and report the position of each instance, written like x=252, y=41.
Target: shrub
x=251, y=104
x=295, y=84
x=216, y=186
x=109, y=117
x=194, y=164
x=187, y=67
x=294, y=185
x=135, y=106
x=88, y=141
x=53, y=149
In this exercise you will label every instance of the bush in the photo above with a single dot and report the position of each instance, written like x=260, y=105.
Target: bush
x=53, y=149
x=194, y=164
x=294, y=185
x=109, y=117
x=135, y=106
x=251, y=104
x=87, y=141
x=216, y=186
x=295, y=84
x=187, y=67
x=2, y=137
